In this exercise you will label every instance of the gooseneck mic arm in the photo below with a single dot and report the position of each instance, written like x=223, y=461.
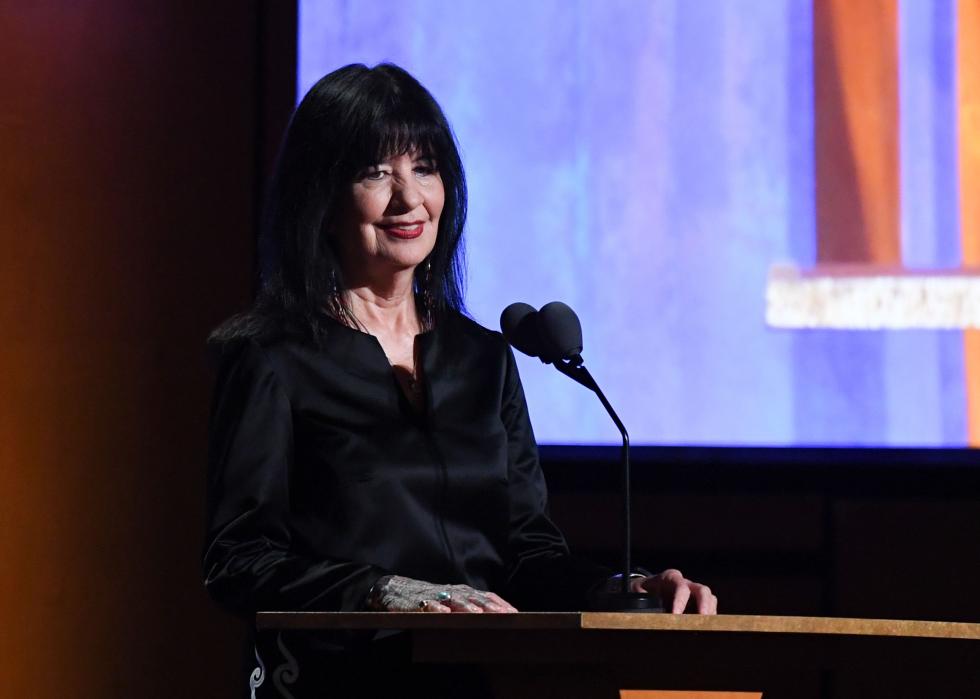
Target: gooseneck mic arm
x=574, y=368
x=554, y=334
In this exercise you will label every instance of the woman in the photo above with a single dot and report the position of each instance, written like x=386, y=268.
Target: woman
x=370, y=444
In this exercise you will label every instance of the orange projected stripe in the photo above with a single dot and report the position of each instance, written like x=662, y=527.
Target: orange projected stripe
x=968, y=124
x=855, y=57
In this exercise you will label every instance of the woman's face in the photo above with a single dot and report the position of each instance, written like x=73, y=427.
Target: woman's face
x=392, y=216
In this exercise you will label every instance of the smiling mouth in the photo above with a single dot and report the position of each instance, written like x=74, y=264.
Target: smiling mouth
x=405, y=231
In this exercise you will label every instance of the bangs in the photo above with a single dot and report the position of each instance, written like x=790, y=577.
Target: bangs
x=398, y=130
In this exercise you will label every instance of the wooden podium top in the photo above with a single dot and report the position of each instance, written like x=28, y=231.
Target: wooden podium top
x=615, y=621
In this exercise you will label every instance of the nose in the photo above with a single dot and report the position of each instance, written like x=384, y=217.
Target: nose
x=407, y=193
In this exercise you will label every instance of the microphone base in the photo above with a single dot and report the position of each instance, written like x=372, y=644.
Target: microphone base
x=628, y=602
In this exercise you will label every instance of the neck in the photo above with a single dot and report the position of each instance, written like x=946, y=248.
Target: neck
x=387, y=305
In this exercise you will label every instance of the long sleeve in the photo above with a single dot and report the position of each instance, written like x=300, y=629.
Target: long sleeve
x=250, y=559
x=543, y=574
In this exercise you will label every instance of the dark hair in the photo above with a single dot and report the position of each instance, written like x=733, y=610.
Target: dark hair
x=350, y=119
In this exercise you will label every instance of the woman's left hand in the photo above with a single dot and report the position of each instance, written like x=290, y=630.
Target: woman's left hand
x=676, y=591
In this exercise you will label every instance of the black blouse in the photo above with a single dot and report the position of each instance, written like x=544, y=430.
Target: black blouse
x=323, y=477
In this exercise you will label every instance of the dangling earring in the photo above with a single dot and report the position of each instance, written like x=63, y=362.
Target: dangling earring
x=428, y=300
x=334, y=304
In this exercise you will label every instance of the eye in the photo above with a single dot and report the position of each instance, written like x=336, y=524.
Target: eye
x=372, y=173
x=425, y=167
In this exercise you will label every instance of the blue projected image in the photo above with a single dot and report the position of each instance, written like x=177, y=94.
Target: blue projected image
x=647, y=163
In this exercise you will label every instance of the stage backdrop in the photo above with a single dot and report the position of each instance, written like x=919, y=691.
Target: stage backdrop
x=647, y=162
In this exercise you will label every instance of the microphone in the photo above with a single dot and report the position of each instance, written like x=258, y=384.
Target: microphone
x=554, y=334
x=518, y=323
x=561, y=331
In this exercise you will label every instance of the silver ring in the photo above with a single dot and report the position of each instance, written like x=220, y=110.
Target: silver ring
x=444, y=596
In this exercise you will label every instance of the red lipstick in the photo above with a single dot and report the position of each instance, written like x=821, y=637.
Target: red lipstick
x=405, y=231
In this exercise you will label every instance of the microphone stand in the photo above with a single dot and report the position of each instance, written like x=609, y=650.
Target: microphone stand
x=624, y=600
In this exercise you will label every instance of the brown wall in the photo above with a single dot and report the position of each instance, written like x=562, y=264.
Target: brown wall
x=128, y=151
x=835, y=532
x=815, y=532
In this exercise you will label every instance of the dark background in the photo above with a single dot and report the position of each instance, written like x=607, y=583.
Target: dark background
x=135, y=138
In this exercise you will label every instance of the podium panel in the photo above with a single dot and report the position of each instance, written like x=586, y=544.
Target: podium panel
x=614, y=655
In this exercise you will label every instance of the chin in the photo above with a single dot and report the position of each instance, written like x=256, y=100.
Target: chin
x=398, y=263
x=412, y=258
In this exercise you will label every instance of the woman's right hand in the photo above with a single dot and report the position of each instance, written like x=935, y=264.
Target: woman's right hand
x=395, y=593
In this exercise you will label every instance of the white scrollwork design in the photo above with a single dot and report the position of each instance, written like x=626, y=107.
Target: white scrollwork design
x=258, y=674
x=287, y=672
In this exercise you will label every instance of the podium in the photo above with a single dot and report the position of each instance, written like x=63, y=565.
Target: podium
x=634, y=656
